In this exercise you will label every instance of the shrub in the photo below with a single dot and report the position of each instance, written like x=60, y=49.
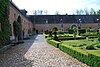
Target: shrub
x=70, y=31
x=55, y=36
x=5, y=26
x=81, y=31
x=60, y=32
x=90, y=30
x=98, y=45
x=53, y=42
x=75, y=52
x=81, y=55
x=90, y=47
x=46, y=32
x=50, y=33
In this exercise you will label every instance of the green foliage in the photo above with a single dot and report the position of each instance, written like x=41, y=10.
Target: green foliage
x=55, y=36
x=98, y=45
x=85, y=56
x=53, y=42
x=75, y=32
x=90, y=47
x=46, y=32
x=5, y=26
x=70, y=31
x=75, y=52
x=55, y=29
x=50, y=33
x=70, y=38
x=30, y=32
x=17, y=27
x=90, y=30
x=81, y=31
x=81, y=55
x=98, y=34
x=60, y=32
x=89, y=34
x=94, y=58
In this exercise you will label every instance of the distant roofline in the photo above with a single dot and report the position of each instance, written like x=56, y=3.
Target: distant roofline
x=63, y=15
x=19, y=10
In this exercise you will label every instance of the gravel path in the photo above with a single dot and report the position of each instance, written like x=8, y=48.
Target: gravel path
x=37, y=53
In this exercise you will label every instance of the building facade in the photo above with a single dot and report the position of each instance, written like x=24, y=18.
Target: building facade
x=63, y=22
x=18, y=15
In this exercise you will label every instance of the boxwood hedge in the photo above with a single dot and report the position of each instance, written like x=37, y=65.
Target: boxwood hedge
x=82, y=55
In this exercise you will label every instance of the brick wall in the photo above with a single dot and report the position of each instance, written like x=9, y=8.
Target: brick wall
x=44, y=27
x=13, y=15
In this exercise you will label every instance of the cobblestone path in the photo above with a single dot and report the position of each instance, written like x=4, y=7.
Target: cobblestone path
x=37, y=53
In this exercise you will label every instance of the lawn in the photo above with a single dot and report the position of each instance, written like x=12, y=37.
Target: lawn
x=77, y=42
x=81, y=44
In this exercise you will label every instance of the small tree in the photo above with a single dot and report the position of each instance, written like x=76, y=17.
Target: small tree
x=55, y=33
x=17, y=31
x=74, y=32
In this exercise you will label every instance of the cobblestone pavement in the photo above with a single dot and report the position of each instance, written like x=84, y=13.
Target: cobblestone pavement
x=37, y=53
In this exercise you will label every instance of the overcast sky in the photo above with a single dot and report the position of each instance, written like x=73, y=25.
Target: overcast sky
x=63, y=6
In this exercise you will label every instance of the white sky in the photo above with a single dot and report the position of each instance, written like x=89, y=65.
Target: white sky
x=62, y=6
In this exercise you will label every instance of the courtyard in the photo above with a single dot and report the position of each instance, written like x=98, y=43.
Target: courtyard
x=37, y=53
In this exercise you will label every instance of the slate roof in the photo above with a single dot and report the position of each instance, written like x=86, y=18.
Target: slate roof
x=41, y=19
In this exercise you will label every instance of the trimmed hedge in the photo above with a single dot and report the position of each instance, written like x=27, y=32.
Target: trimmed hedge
x=53, y=42
x=75, y=52
x=70, y=31
x=70, y=38
x=94, y=60
x=81, y=31
x=82, y=55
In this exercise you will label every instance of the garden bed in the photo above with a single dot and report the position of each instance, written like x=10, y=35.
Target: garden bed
x=74, y=48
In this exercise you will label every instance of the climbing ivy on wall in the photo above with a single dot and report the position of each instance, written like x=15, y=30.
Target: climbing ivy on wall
x=5, y=26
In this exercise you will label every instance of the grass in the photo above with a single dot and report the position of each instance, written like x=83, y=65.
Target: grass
x=76, y=48
x=77, y=42
x=94, y=52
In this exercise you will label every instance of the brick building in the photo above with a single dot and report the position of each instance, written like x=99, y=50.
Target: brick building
x=19, y=15
x=63, y=22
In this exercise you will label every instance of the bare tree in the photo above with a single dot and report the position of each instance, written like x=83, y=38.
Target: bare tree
x=86, y=11
x=92, y=11
x=77, y=12
x=46, y=12
x=41, y=11
x=35, y=12
x=57, y=13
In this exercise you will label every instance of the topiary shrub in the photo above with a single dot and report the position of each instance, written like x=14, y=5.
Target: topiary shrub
x=17, y=29
x=50, y=33
x=46, y=32
x=55, y=36
x=90, y=47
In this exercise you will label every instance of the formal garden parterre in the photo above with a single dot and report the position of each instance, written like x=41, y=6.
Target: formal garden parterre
x=82, y=44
